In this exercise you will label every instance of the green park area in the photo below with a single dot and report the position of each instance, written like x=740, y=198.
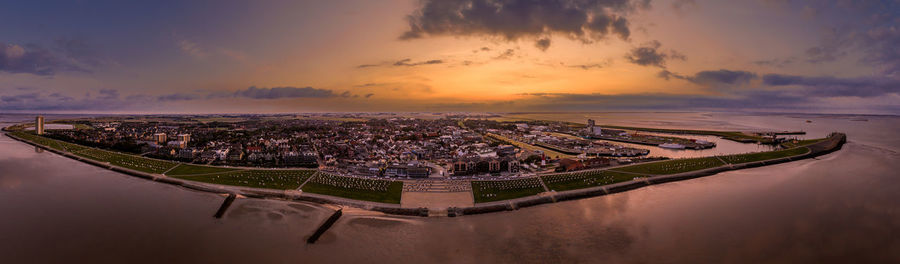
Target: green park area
x=489, y=191
x=383, y=191
x=267, y=179
x=798, y=143
x=126, y=160
x=188, y=169
x=585, y=179
x=51, y=143
x=672, y=166
x=758, y=156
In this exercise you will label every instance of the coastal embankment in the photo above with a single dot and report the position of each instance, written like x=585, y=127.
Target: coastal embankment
x=832, y=143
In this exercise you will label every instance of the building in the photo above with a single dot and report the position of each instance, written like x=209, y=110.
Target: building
x=569, y=165
x=177, y=144
x=593, y=129
x=184, y=137
x=39, y=125
x=493, y=165
x=418, y=172
x=187, y=153
x=160, y=138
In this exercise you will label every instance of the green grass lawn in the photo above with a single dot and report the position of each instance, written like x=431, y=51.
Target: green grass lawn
x=383, y=191
x=115, y=158
x=750, y=157
x=268, y=179
x=791, y=144
x=578, y=180
x=673, y=166
x=188, y=169
x=51, y=143
x=489, y=191
x=127, y=161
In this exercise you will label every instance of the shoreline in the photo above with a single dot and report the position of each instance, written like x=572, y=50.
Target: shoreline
x=833, y=143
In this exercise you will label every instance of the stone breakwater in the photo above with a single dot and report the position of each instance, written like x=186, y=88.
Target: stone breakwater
x=831, y=144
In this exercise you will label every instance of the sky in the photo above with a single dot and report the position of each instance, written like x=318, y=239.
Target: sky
x=827, y=56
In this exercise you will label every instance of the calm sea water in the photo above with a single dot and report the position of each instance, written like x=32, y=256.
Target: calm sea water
x=842, y=207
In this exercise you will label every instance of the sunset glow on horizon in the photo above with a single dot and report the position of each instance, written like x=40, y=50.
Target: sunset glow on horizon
x=466, y=55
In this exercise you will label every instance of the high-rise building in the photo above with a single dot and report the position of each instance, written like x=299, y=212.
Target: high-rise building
x=590, y=126
x=39, y=125
x=160, y=137
x=184, y=137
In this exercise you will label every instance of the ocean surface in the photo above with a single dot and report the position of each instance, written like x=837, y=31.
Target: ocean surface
x=839, y=208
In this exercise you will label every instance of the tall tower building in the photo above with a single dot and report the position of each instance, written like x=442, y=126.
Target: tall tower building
x=39, y=125
x=160, y=137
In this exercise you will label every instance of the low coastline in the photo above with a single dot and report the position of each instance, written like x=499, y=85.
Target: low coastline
x=831, y=144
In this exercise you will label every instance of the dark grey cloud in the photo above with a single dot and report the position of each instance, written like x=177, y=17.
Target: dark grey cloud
x=713, y=78
x=404, y=63
x=284, y=92
x=108, y=94
x=367, y=65
x=590, y=66
x=586, y=20
x=832, y=86
x=408, y=62
x=867, y=26
x=178, y=97
x=33, y=59
x=649, y=54
x=542, y=44
x=19, y=97
x=505, y=55
x=820, y=86
x=108, y=99
x=722, y=76
x=111, y=99
x=776, y=62
x=744, y=100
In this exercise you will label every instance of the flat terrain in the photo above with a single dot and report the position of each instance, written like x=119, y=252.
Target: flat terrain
x=188, y=169
x=585, y=179
x=268, y=179
x=391, y=191
x=751, y=157
x=672, y=166
x=489, y=191
x=383, y=191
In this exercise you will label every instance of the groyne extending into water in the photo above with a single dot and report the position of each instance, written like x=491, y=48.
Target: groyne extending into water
x=831, y=144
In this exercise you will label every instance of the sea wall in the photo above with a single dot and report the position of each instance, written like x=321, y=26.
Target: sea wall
x=834, y=142
x=243, y=191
